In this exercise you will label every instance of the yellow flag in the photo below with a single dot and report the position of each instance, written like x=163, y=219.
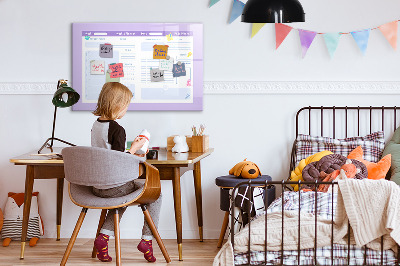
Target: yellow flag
x=256, y=28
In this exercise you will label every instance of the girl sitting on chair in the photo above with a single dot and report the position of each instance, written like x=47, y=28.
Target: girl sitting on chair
x=112, y=104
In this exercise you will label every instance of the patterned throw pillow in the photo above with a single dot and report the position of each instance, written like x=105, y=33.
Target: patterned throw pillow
x=372, y=145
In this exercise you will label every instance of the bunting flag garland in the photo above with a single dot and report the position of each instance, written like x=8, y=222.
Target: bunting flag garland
x=306, y=39
x=332, y=41
x=237, y=9
x=361, y=38
x=281, y=31
x=389, y=30
x=256, y=28
x=213, y=2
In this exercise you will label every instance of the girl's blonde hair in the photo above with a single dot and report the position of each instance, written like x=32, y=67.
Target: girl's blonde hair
x=113, y=97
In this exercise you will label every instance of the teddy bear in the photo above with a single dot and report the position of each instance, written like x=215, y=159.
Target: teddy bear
x=180, y=144
x=13, y=215
x=245, y=169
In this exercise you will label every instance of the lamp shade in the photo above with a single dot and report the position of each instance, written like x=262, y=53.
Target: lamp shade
x=65, y=96
x=273, y=11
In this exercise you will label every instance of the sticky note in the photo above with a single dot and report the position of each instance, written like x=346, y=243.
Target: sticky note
x=106, y=50
x=160, y=51
x=117, y=70
x=109, y=79
x=167, y=64
x=169, y=37
x=178, y=70
x=156, y=75
x=97, y=67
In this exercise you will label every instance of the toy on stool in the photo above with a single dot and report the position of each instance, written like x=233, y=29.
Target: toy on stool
x=13, y=215
x=245, y=169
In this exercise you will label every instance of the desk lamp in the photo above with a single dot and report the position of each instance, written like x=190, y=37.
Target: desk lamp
x=64, y=96
x=273, y=11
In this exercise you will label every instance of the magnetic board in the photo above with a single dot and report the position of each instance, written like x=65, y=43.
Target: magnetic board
x=161, y=63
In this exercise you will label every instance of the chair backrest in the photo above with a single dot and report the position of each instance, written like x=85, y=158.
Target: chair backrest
x=91, y=166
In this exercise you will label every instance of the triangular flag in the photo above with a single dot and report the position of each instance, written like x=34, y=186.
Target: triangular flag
x=281, y=31
x=237, y=9
x=256, y=28
x=213, y=2
x=332, y=41
x=361, y=37
x=390, y=32
x=306, y=39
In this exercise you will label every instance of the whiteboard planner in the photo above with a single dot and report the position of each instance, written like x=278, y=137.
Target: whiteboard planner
x=161, y=63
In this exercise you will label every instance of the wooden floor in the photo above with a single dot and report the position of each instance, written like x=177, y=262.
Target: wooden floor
x=50, y=252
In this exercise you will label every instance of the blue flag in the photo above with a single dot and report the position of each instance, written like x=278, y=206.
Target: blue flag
x=237, y=9
x=361, y=38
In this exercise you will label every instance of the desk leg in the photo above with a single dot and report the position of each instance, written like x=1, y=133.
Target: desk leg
x=27, y=206
x=60, y=190
x=199, y=204
x=176, y=182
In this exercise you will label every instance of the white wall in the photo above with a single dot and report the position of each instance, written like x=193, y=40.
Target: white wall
x=35, y=46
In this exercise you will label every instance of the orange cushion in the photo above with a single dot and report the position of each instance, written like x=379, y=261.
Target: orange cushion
x=375, y=170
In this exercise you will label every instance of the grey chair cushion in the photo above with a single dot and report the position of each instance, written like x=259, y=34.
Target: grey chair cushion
x=83, y=196
x=99, y=167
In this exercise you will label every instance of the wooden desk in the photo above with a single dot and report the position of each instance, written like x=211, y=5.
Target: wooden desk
x=171, y=167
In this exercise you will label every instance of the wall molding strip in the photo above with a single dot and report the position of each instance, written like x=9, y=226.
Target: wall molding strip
x=243, y=87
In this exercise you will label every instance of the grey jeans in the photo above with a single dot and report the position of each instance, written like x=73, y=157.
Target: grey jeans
x=154, y=208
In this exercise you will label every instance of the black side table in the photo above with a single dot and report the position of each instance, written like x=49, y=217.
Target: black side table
x=226, y=183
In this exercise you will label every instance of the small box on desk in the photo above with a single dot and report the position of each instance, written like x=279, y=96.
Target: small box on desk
x=200, y=143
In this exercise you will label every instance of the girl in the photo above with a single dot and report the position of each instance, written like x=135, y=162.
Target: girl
x=106, y=133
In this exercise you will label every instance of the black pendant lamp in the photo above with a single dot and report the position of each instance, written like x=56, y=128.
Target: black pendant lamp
x=273, y=11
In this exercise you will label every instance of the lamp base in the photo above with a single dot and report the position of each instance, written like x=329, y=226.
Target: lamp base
x=50, y=146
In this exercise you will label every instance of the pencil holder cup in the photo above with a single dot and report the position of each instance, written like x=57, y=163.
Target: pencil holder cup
x=200, y=143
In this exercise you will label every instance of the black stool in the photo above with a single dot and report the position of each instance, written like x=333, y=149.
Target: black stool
x=226, y=183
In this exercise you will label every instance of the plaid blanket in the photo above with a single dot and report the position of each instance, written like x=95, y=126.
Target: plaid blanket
x=323, y=205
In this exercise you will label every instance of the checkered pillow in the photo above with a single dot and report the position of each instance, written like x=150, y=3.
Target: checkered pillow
x=372, y=145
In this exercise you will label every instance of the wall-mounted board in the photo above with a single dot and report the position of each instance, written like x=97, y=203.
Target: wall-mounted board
x=161, y=63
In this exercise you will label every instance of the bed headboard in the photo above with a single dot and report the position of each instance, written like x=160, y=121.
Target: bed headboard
x=344, y=121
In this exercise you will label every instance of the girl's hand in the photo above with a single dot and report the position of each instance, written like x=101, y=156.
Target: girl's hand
x=142, y=155
x=137, y=144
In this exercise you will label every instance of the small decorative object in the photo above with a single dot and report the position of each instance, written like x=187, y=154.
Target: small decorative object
x=152, y=155
x=65, y=96
x=13, y=215
x=1, y=219
x=245, y=169
x=180, y=144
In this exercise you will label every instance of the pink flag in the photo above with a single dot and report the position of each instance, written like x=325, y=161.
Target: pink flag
x=389, y=30
x=281, y=31
x=306, y=39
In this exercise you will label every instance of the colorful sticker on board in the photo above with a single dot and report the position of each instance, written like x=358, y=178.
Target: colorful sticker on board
x=160, y=51
x=156, y=75
x=169, y=37
x=189, y=54
x=106, y=50
x=110, y=79
x=189, y=83
x=179, y=70
x=117, y=70
x=97, y=67
x=167, y=64
x=87, y=37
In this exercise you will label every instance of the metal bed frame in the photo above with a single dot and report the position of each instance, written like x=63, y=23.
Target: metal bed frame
x=283, y=184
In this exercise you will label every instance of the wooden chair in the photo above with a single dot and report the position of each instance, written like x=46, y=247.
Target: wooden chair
x=85, y=167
